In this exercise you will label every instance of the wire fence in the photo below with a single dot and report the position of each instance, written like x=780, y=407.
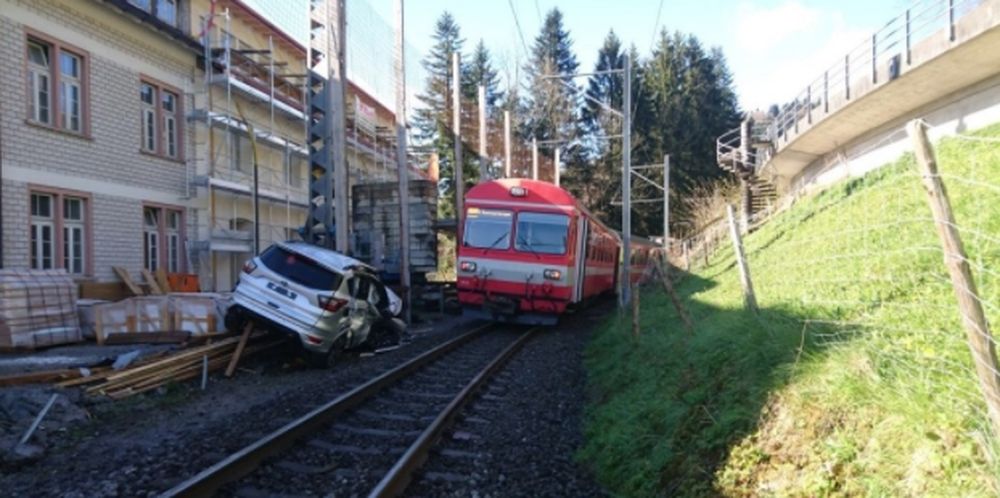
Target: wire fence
x=861, y=271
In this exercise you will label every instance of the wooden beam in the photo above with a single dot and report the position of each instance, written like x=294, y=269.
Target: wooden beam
x=127, y=279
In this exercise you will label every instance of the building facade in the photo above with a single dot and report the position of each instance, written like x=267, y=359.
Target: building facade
x=128, y=132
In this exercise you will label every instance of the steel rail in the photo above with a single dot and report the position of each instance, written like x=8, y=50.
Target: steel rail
x=399, y=476
x=246, y=460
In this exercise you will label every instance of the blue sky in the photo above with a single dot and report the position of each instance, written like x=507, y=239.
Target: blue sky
x=774, y=47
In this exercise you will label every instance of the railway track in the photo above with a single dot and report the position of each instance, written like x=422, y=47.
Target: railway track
x=371, y=439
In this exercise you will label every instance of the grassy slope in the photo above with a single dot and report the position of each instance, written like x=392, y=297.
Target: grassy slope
x=854, y=380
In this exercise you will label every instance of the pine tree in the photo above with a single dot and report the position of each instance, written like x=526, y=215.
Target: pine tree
x=480, y=71
x=435, y=114
x=553, y=104
x=433, y=120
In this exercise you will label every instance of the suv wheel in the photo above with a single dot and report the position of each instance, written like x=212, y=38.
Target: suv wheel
x=235, y=319
x=326, y=360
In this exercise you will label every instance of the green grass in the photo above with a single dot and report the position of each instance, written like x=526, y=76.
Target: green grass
x=855, y=378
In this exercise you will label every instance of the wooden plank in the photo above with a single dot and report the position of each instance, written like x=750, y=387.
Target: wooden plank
x=164, y=337
x=105, y=291
x=127, y=279
x=44, y=376
x=239, y=349
x=154, y=287
x=191, y=353
x=162, y=281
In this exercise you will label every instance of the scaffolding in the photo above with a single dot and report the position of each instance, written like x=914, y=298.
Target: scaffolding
x=220, y=172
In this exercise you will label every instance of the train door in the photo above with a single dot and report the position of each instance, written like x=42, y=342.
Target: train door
x=582, y=253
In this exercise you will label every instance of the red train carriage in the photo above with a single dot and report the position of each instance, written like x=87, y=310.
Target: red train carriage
x=529, y=251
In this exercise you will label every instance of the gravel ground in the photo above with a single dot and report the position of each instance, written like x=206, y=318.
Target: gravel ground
x=519, y=437
x=147, y=444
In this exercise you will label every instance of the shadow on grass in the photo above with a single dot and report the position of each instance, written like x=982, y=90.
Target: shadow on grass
x=668, y=406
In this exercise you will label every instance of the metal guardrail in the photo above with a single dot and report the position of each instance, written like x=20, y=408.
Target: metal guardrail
x=880, y=58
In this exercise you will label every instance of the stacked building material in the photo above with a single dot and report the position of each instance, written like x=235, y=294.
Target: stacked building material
x=197, y=314
x=376, y=226
x=37, y=309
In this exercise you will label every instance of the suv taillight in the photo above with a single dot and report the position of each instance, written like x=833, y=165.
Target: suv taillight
x=249, y=266
x=330, y=303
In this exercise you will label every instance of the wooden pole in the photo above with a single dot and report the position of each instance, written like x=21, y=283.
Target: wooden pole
x=749, y=298
x=239, y=349
x=977, y=331
x=635, y=310
x=668, y=287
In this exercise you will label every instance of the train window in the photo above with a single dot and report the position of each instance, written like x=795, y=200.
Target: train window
x=542, y=233
x=487, y=228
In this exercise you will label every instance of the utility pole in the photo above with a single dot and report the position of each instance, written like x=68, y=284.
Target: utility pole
x=626, y=283
x=666, y=203
x=484, y=173
x=556, y=172
x=506, y=145
x=328, y=187
x=534, y=158
x=338, y=97
x=456, y=128
x=401, y=163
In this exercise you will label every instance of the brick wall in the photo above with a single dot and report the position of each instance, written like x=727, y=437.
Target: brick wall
x=109, y=160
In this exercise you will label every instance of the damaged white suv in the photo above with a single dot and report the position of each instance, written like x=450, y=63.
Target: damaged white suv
x=329, y=301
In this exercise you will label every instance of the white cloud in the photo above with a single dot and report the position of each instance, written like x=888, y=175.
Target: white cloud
x=761, y=28
x=796, y=44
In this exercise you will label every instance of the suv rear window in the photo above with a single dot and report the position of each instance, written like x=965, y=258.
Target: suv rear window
x=300, y=269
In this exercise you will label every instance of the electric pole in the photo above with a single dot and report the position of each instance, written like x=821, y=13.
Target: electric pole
x=456, y=128
x=484, y=173
x=556, y=172
x=506, y=145
x=626, y=283
x=534, y=158
x=401, y=163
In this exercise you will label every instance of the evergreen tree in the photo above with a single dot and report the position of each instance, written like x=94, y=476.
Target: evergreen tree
x=433, y=120
x=552, y=107
x=480, y=71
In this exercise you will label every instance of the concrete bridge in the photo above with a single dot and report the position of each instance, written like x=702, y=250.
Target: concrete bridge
x=938, y=60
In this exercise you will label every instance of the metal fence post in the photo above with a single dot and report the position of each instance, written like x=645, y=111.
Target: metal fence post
x=908, y=37
x=874, y=58
x=951, y=20
x=847, y=77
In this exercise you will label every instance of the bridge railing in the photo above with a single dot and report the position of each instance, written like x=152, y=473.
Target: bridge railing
x=878, y=59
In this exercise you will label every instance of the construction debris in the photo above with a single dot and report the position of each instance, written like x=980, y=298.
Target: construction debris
x=183, y=365
x=37, y=308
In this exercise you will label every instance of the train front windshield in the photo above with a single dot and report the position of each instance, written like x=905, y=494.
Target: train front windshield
x=487, y=228
x=542, y=233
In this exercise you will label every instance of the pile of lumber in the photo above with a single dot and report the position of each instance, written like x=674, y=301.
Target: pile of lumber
x=37, y=308
x=186, y=364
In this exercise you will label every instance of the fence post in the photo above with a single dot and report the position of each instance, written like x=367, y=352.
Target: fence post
x=635, y=310
x=977, y=331
x=749, y=298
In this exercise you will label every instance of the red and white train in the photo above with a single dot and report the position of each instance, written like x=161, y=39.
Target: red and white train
x=529, y=251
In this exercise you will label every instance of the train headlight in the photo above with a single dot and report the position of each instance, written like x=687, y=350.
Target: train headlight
x=551, y=274
x=467, y=266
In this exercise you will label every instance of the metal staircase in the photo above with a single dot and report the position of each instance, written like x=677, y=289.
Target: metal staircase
x=742, y=151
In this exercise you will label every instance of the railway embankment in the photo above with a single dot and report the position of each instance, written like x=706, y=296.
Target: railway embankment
x=854, y=379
